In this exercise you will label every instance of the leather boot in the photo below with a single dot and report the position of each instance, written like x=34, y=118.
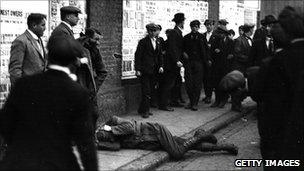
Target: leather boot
x=199, y=136
x=206, y=137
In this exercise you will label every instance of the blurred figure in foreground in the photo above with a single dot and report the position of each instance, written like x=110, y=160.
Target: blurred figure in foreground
x=45, y=113
x=279, y=91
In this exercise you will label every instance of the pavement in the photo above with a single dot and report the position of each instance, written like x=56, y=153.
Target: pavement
x=181, y=122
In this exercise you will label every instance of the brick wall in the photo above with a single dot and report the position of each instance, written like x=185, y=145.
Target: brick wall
x=106, y=16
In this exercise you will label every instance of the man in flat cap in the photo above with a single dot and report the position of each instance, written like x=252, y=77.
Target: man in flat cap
x=69, y=18
x=219, y=51
x=148, y=63
x=209, y=24
x=196, y=57
x=172, y=79
x=241, y=61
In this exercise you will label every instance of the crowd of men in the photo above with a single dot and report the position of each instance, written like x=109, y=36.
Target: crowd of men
x=268, y=67
x=52, y=105
x=205, y=58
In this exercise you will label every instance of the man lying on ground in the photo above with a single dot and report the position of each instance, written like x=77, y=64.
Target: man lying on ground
x=121, y=133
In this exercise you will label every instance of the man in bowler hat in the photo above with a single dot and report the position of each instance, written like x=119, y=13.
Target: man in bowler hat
x=148, y=63
x=263, y=31
x=173, y=63
x=69, y=18
x=47, y=112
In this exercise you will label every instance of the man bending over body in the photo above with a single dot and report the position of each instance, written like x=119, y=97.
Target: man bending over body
x=121, y=133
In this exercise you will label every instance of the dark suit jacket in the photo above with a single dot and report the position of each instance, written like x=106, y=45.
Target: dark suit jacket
x=62, y=29
x=26, y=58
x=148, y=60
x=43, y=114
x=260, y=33
x=242, y=49
x=174, y=49
x=259, y=51
x=195, y=45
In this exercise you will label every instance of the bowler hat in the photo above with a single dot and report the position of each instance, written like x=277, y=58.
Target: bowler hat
x=70, y=10
x=270, y=19
x=195, y=23
x=208, y=22
x=179, y=17
x=152, y=27
x=223, y=21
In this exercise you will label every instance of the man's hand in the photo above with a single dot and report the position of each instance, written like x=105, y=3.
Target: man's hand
x=179, y=64
x=161, y=70
x=83, y=60
x=138, y=73
x=106, y=128
x=217, y=50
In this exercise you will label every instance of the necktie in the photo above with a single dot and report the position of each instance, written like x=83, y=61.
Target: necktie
x=40, y=46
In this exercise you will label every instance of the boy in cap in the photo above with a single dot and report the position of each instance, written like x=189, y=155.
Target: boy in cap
x=148, y=62
x=69, y=18
x=196, y=56
x=209, y=24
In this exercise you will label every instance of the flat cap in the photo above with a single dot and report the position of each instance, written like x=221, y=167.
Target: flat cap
x=247, y=27
x=195, y=23
x=70, y=10
x=209, y=22
x=152, y=27
x=223, y=21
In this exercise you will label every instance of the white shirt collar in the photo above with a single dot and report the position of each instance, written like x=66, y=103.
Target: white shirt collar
x=210, y=32
x=65, y=70
x=67, y=24
x=33, y=34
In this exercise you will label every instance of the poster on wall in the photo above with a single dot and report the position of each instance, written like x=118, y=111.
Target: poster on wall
x=13, y=17
x=136, y=14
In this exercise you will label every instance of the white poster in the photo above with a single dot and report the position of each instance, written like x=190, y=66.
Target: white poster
x=136, y=14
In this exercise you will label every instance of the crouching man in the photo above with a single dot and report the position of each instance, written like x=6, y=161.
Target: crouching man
x=121, y=133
